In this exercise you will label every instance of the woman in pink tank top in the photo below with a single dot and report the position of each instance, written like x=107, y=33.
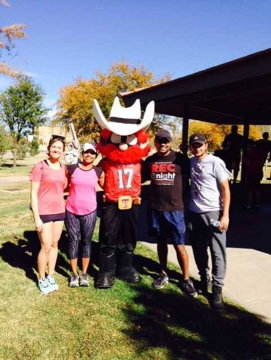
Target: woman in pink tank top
x=48, y=181
x=81, y=208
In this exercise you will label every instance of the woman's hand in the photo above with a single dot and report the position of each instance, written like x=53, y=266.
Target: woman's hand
x=39, y=225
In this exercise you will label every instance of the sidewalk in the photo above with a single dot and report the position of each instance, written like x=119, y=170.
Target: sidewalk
x=248, y=278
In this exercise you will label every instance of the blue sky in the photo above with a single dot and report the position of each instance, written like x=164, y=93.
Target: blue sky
x=70, y=39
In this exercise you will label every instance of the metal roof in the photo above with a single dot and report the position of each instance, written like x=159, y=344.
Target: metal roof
x=231, y=93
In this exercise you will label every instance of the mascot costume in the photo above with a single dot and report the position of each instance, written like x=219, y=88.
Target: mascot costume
x=123, y=144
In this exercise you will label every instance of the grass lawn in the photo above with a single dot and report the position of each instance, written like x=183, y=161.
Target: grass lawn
x=23, y=166
x=127, y=322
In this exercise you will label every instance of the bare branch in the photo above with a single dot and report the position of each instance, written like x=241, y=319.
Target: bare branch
x=5, y=3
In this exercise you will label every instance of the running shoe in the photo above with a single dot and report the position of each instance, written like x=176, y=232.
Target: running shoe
x=44, y=286
x=161, y=282
x=83, y=280
x=217, y=299
x=74, y=281
x=52, y=283
x=188, y=288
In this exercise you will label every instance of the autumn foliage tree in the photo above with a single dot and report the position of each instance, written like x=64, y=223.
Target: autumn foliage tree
x=8, y=35
x=216, y=133
x=75, y=103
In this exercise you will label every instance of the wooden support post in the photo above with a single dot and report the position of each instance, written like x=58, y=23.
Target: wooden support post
x=244, y=156
x=185, y=127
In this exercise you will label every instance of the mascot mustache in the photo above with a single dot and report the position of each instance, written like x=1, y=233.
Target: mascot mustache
x=132, y=154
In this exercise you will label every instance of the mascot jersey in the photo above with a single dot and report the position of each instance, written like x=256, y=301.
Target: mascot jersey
x=121, y=179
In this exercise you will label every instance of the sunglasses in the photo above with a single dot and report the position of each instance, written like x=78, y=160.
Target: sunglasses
x=58, y=137
x=163, y=141
x=89, y=152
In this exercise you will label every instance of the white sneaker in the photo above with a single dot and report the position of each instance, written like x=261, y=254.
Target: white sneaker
x=44, y=286
x=52, y=283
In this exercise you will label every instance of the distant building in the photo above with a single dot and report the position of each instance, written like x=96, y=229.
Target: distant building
x=44, y=133
x=29, y=138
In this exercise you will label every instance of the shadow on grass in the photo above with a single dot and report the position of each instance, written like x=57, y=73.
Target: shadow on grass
x=9, y=166
x=149, y=267
x=182, y=328
x=23, y=252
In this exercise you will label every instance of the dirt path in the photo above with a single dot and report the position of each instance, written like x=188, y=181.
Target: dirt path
x=7, y=180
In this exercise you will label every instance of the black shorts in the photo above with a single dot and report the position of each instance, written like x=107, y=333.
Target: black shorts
x=52, y=218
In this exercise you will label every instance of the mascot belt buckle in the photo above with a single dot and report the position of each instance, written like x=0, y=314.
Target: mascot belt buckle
x=125, y=202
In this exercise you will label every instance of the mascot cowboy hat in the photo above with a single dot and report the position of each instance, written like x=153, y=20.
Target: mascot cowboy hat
x=124, y=121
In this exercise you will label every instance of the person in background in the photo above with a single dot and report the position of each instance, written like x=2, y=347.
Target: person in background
x=208, y=217
x=256, y=157
x=81, y=212
x=265, y=145
x=48, y=182
x=167, y=169
x=236, y=142
x=224, y=154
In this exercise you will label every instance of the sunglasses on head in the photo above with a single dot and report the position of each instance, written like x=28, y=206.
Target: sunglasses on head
x=57, y=137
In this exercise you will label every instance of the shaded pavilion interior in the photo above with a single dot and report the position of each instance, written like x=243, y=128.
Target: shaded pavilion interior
x=237, y=92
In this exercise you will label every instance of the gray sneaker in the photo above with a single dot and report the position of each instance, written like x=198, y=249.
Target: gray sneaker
x=74, y=281
x=161, y=282
x=188, y=288
x=83, y=280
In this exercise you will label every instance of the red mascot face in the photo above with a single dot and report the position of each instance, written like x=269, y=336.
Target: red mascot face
x=124, y=149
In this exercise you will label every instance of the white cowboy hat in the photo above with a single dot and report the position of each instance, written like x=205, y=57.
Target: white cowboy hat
x=124, y=121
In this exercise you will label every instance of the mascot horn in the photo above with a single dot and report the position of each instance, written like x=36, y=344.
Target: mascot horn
x=123, y=143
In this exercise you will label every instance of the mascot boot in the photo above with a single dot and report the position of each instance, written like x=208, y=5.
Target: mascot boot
x=126, y=271
x=107, y=272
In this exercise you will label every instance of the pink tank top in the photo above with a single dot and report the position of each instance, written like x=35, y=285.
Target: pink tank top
x=82, y=194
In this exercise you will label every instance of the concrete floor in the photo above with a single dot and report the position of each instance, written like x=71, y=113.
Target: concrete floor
x=248, y=276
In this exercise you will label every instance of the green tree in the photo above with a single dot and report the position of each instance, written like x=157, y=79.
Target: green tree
x=75, y=103
x=5, y=141
x=22, y=109
x=34, y=147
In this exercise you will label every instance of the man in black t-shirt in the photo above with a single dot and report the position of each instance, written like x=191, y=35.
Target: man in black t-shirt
x=167, y=169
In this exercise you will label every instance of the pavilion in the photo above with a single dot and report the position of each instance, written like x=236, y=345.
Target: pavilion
x=236, y=92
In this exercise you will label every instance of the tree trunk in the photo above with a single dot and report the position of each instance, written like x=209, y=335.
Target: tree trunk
x=14, y=157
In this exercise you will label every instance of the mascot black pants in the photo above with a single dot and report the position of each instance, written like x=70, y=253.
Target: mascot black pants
x=118, y=229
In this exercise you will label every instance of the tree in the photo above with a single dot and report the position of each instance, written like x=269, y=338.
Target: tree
x=5, y=141
x=75, y=103
x=216, y=133
x=7, y=36
x=34, y=147
x=22, y=109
